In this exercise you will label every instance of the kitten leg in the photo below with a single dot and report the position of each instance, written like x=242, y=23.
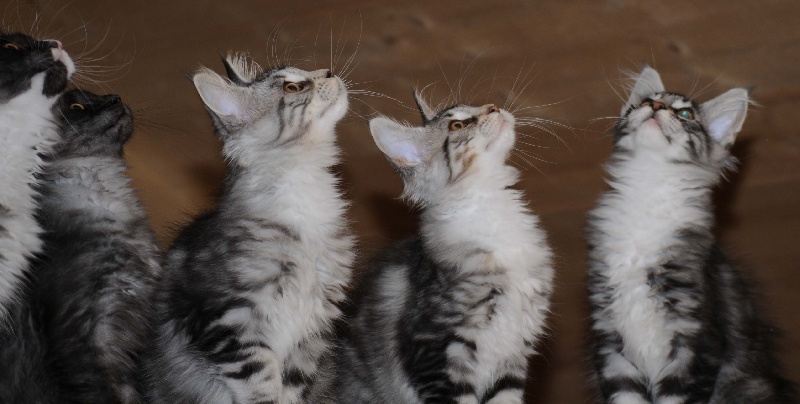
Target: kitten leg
x=255, y=377
x=302, y=368
x=508, y=389
x=620, y=381
x=244, y=361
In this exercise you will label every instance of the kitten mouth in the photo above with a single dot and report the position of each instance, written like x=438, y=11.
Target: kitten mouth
x=652, y=121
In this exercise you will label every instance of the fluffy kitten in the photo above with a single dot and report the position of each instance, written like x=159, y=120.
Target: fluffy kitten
x=33, y=74
x=673, y=320
x=251, y=288
x=452, y=315
x=98, y=272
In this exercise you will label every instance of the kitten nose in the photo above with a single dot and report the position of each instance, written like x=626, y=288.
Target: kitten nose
x=492, y=108
x=54, y=43
x=113, y=99
x=658, y=105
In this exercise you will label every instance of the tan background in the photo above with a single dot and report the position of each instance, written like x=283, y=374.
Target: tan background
x=559, y=60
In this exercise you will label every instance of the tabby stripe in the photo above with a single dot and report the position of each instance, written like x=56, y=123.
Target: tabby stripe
x=622, y=384
x=247, y=370
x=507, y=382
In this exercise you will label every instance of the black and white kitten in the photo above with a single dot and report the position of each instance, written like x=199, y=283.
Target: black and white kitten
x=672, y=320
x=251, y=288
x=33, y=74
x=97, y=274
x=452, y=315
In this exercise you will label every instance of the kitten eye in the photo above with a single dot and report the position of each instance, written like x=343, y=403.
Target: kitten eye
x=290, y=87
x=686, y=114
x=76, y=106
x=457, y=125
x=12, y=46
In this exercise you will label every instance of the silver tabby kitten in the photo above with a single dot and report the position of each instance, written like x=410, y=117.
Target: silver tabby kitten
x=33, y=74
x=97, y=274
x=672, y=320
x=453, y=315
x=252, y=287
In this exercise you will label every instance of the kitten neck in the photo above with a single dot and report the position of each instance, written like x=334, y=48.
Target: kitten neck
x=258, y=180
x=662, y=188
x=479, y=221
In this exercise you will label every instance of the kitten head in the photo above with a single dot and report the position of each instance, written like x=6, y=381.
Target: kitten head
x=282, y=106
x=673, y=128
x=92, y=125
x=32, y=65
x=460, y=145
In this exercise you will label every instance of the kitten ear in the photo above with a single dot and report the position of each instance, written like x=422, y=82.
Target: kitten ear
x=220, y=96
x=647, y=83
x=724, y=116
x=401, y=144
x=427, y=112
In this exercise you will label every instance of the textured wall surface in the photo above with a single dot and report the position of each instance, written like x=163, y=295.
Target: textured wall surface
x=556, y=60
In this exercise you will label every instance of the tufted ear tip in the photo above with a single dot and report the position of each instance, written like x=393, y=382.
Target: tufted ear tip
x=425, y=110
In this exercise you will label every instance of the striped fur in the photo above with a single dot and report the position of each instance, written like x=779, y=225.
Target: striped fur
x=672, y=320
x=453, y=315
x=96, y=278
x=252, y=287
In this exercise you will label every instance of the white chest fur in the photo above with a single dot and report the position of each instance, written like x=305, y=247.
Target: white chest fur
x=635, y=225
x=26, y=131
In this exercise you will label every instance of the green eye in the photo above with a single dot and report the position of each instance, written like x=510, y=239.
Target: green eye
x=686, y=114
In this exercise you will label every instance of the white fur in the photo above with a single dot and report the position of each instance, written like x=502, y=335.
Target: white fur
x=496, y=221
x=637, y=224
x=27, y=129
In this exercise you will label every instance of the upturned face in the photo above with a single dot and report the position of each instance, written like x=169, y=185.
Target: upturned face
x=30, y=64
x=92, y=125
x=674, y=128
x=282, y=106
x=460, y=143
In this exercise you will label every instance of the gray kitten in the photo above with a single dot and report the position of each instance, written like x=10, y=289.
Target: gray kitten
x=453, y=315
x=100, y=266
x=252, y=287
x=673, y=321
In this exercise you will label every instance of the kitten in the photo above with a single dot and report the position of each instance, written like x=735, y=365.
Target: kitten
x=99, y=267
x=672, y=320
x=452, y=315
x=33, y=74
x=251, y=288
